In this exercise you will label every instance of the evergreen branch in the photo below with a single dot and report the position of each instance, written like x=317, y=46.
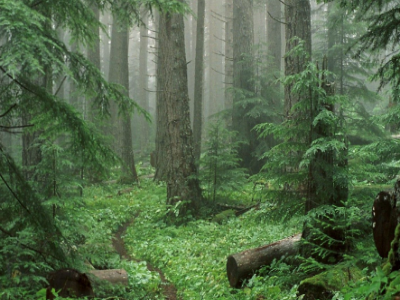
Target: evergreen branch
x=44, y=255
x=12, y=106
x=15, y=80
x=13, y=193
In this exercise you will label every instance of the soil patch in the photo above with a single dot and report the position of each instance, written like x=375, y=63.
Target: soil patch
x=169, y=290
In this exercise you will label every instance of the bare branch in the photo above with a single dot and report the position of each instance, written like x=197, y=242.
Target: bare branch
x=8, y=111
x=59, y=88
x=276, y=19
x=20, y=126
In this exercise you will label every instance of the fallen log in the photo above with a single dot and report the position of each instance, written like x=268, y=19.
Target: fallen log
x=242, y=266
x=114, y=276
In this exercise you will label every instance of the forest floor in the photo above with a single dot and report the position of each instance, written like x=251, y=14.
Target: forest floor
x=168, y=289
x=188, y=262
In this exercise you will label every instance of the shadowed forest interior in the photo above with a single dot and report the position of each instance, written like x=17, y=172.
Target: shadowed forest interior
x=199, y=149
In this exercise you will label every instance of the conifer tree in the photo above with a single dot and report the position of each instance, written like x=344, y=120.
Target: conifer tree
x=174, y=135
x=30, y=50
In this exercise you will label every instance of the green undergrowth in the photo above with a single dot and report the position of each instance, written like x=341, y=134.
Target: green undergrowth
x=193, y=256
x=90, y=224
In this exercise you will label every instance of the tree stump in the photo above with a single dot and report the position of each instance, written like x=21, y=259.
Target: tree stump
x=69, y=283
x=384, y=221
x=243, y=265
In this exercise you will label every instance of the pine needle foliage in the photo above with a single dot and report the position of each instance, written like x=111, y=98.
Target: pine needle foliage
x=382, y=33
x=220, y=173
x=341, y=31
x=287, y=164
x=31, y=52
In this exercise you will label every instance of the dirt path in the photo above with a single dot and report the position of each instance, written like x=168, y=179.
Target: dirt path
x=169, y=290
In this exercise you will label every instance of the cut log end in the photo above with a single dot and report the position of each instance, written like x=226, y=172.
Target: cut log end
x=232, y=270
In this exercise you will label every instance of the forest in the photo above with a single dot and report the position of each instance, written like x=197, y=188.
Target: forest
x=200, y=149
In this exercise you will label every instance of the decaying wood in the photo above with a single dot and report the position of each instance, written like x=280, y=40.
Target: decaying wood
x=239, y=210
x=246, y=209
x=243, y=265
x=114, y=276
x=384, y=222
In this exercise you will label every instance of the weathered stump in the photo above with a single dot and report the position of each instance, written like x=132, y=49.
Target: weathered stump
x=384, y=221
x=69, y=283
x=243, y=265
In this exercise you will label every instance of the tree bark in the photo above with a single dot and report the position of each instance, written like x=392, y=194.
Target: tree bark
x=274, y=33
x=228, y=54
x=119, y=73
x=175, y=139
x=93, y=55
x=243, y=73
x=243, y=265
x=143, y=82
x=198, y=81
x=384, y=222
x=298, y=24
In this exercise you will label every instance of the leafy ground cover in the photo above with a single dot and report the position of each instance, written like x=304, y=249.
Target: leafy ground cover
x=193, y=256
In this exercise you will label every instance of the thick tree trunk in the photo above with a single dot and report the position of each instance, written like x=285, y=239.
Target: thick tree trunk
x=119, y=73
x=243, y=265
x=298, y=24
x=384, y=222
x=176, y=144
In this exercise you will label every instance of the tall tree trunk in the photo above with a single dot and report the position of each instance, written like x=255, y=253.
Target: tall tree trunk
x=106, y=19
x=173, y=101
x=199, y=79
x=274, y=33
x=228, y=54
x=243, y=80
x=93, y=55
x=336, y=65
x=215, y=100
x=143, y=81
x=298, y=24
x=119, y=73
x=190, y=47
x=160, y=152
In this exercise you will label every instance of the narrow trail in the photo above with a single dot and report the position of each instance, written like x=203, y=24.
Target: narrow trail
x=168, y=289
